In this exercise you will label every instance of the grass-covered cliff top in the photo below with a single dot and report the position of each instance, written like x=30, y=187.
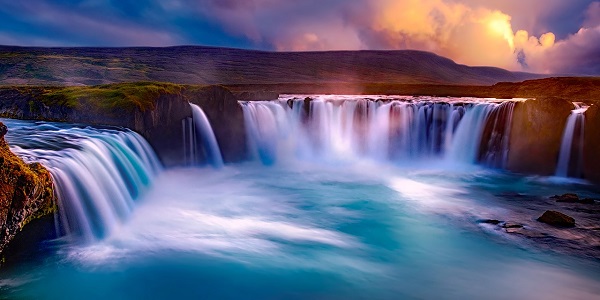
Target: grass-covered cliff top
x=140, y=95
x=109, y=96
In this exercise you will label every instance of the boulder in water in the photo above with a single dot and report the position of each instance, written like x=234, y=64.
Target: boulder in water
x=587, y=201
x=489, y=221
x=568, y=198
x=557, y=219
x=572, y=198
x=508, y=225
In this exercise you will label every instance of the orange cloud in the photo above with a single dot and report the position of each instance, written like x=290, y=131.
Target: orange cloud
x=472, y=32
x=466, y=33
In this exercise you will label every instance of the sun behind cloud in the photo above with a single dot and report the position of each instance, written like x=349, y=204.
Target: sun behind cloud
x=465, y=33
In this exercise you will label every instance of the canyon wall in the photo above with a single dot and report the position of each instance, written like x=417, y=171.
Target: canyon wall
x=591, y=148
x=536, y=135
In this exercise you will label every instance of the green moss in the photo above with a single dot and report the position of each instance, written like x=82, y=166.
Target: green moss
x=140, y=95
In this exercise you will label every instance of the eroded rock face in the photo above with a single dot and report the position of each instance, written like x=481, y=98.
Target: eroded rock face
x=26, y=192
x=226, y=118
x=591, y=148
x=536, y=135
x=162, y=127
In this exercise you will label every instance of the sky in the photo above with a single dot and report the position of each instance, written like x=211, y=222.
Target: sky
x=542, y=36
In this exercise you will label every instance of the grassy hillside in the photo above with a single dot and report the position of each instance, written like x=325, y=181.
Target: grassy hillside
x=206, y=65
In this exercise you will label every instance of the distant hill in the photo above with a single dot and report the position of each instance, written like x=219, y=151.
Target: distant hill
x=208, y=65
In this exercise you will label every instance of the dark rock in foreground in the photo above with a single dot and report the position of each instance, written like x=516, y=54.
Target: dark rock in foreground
x=557, y=219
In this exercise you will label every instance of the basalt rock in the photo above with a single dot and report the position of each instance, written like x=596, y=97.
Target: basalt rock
x=557, y=219
x=568, y=198
x=572, y=198
x=489, y=221
x=591, y=148
x=26, y=192
x=162, y=127
x=536, y=135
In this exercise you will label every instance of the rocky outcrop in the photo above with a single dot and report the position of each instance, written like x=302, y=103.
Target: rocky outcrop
x=536, y=135
x=591, y=148
x=26, y=192
x=557, y=219
x=24, y=103
x=226, y=118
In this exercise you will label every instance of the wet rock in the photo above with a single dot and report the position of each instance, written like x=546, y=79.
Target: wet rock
x=557, y=219
x=591, y=145
x=526, y=232
x=26, y=193
x=511, y=225
x=572, y=198
x=3, y=130
x=489, y=221
x=567, y=198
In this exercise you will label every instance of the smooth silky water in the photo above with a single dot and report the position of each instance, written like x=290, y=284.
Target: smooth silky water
x=321, y=212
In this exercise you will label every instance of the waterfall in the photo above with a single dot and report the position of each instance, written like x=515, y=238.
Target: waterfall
x=571, y=149
x=200, y=139
x=383, y=128
x=465, y=144
x=495, y=139
x=98, y=173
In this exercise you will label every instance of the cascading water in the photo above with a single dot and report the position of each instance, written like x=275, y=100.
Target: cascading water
x=200, y=141
x=495, y=138
x=382, y=128
x=98, y=173
x=571, y=150
x=309, y=230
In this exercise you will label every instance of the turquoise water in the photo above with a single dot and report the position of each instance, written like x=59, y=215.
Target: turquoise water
x=323, y=230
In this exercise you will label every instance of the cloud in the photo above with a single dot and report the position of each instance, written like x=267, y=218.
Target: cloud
x=464, y=31
x=592, y=15
x=83, y=23
x=548, y=36
x=578, y=53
